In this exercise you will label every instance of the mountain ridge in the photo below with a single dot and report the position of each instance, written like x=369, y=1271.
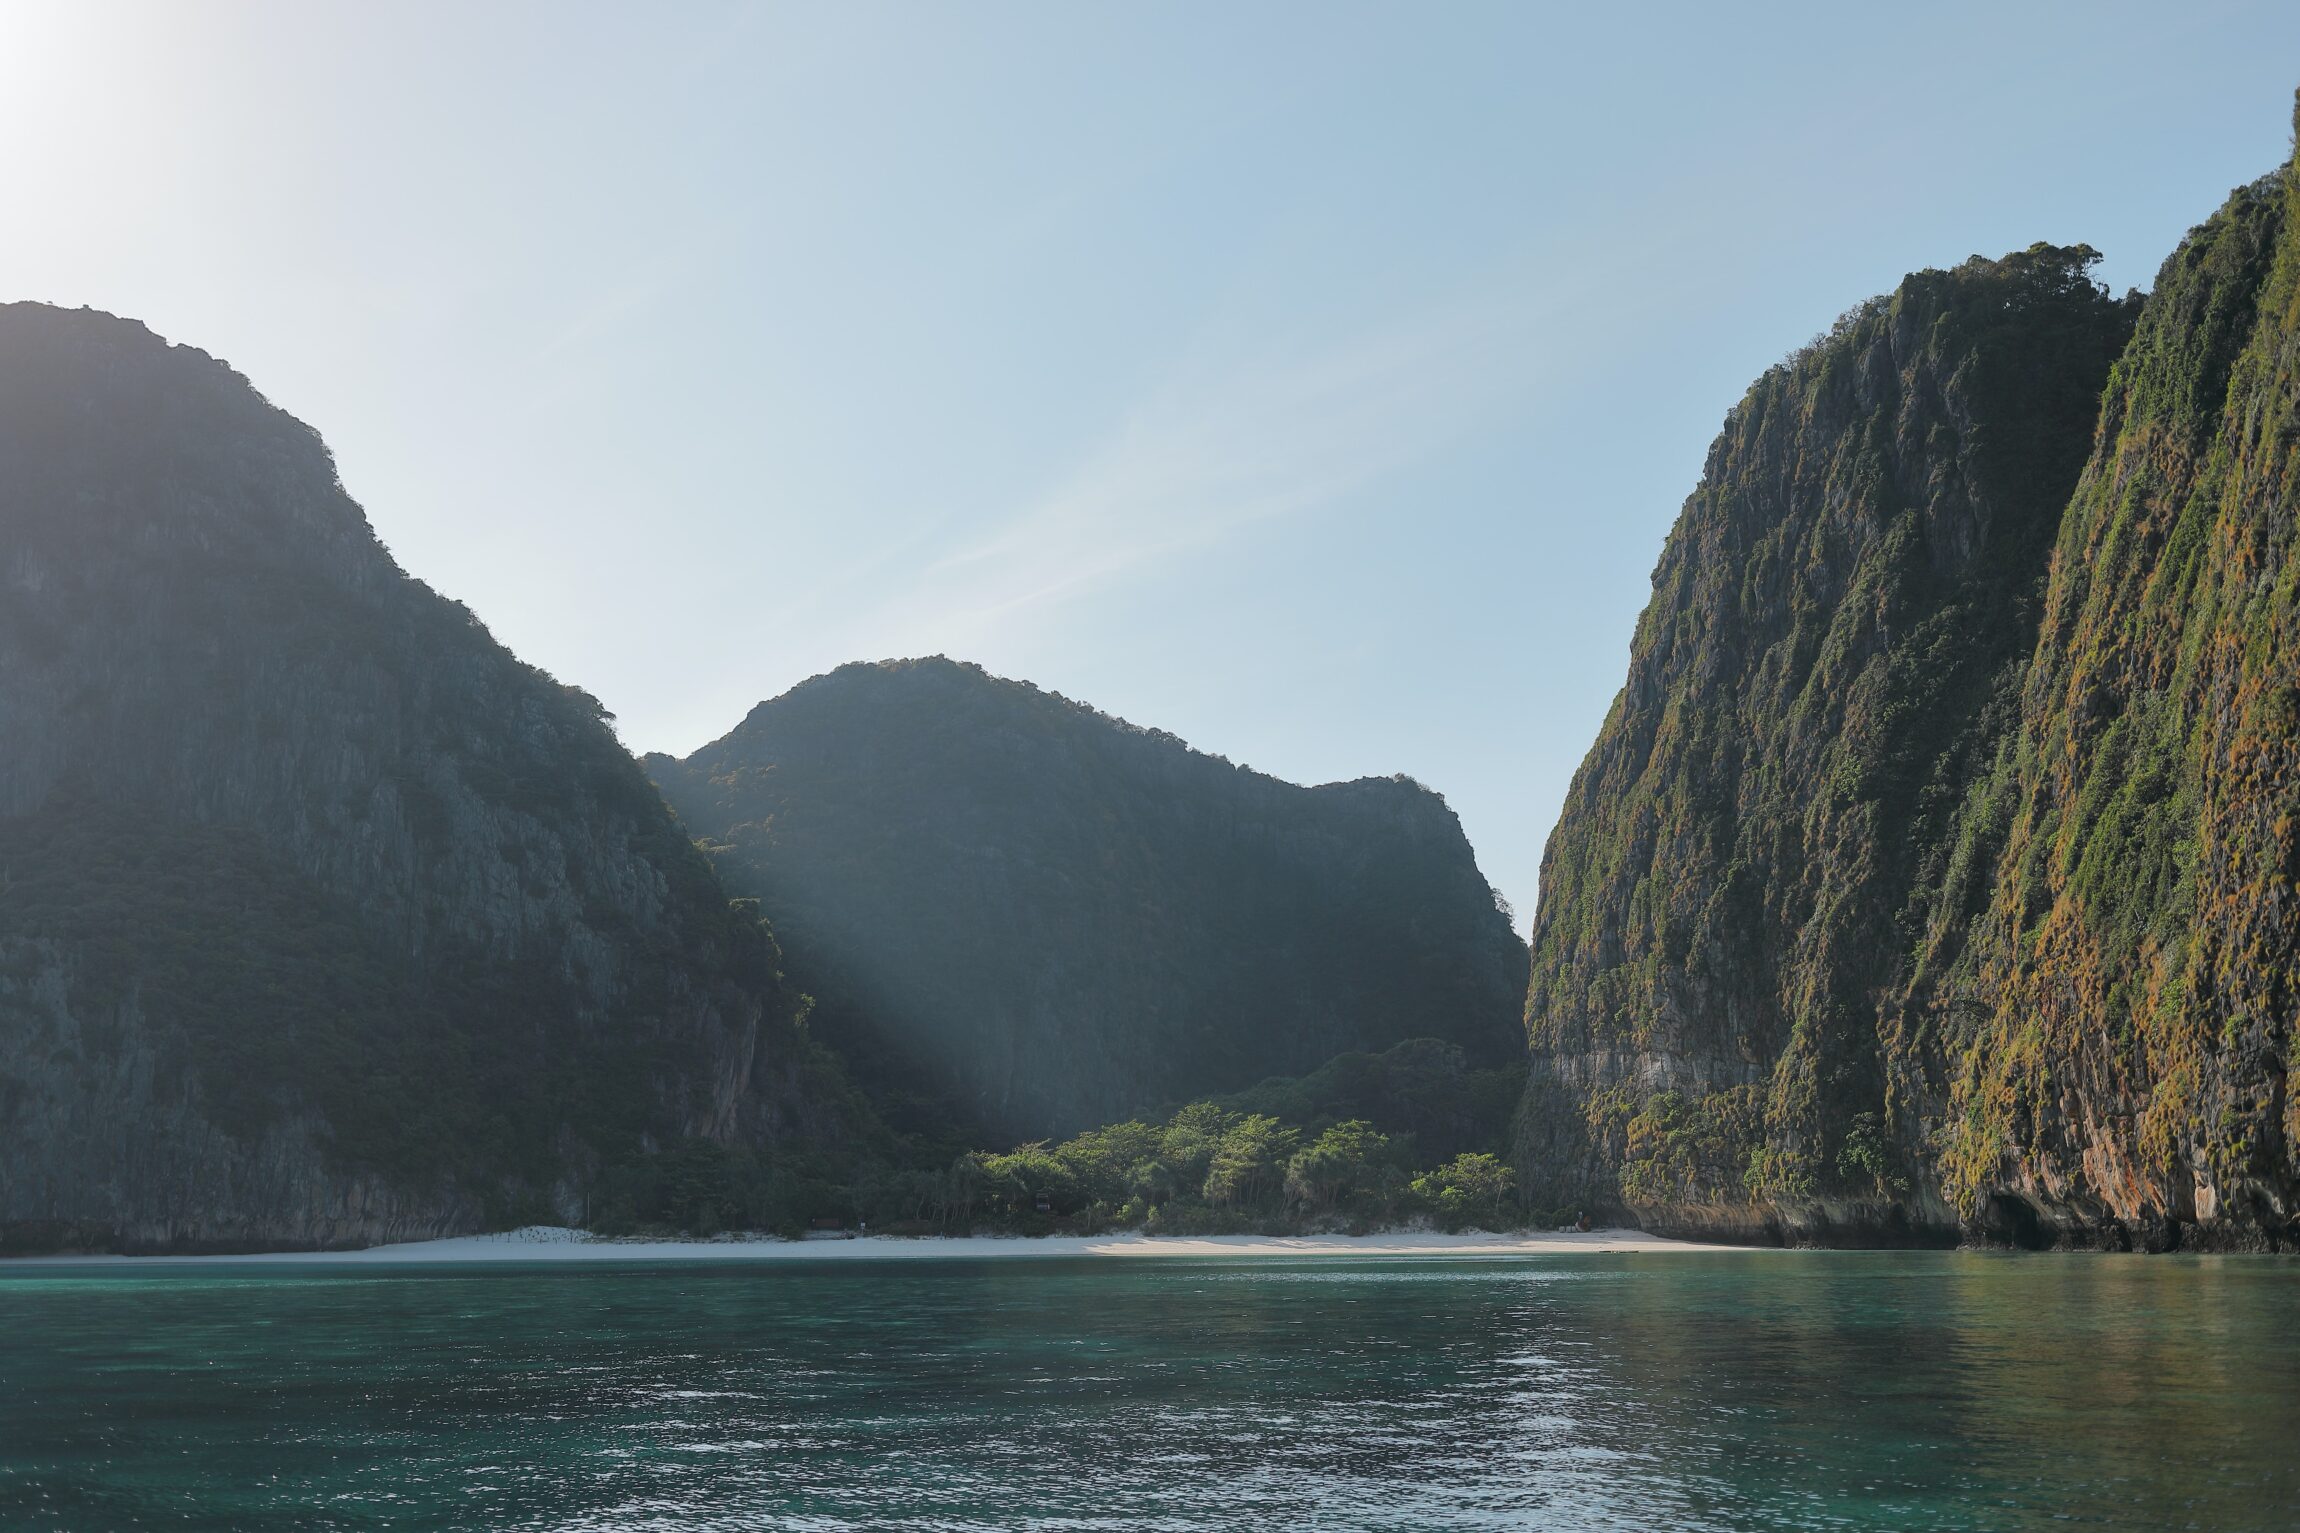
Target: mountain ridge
x=884, y=800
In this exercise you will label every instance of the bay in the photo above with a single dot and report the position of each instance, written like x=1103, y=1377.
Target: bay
x=1721, y=1390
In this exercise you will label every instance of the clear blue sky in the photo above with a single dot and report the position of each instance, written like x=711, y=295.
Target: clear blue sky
x=1314, y=381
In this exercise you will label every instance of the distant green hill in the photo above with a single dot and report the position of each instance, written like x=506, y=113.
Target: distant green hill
x=1933, y=872
x=1047, y=918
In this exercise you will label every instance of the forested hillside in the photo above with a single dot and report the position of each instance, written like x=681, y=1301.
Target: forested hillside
x=1932, y=873
x=323, y=920
x=1048, y=918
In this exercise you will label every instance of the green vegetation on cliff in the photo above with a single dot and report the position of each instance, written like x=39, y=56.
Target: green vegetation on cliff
x=2114, y=1010
x=1831, y=626
x=1934, y=869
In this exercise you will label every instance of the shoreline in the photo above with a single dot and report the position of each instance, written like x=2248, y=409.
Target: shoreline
x=550, y=1244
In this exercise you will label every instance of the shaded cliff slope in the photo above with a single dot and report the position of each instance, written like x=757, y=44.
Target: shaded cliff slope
x=1060, y=919
x=323, y=920
x=1829, y=655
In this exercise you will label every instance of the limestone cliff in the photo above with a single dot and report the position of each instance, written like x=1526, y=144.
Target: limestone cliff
x=1063, y=919
x=323, y=919
x=2107, y=981
x=1934, y=873
x=1822, y=669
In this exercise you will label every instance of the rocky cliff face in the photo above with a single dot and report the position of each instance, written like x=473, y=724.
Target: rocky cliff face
x=1934, y=873
x=1065, y=919
x=2112, y=1003
x=1822, y=669
x=323, y=920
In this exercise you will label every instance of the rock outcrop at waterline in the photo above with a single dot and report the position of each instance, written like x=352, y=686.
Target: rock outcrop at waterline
x=1932, y=875
x=1056, y=919
x=323, y=920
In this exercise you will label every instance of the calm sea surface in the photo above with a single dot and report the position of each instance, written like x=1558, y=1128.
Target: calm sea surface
x=1678, y=1391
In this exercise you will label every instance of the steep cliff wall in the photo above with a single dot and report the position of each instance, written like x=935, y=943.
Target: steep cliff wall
x=1067, y=919
x=1896, y=903
x=2108, y=980
x=323, y=920
x=1829, y=657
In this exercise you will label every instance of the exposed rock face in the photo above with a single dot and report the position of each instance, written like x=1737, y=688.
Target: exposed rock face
x=1894, y=903
x=323, y=920
x=2114, y=1007
x=1069, y=919
x=1821, y=671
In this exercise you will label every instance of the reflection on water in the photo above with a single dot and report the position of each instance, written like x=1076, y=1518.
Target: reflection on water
x=1758, y=1390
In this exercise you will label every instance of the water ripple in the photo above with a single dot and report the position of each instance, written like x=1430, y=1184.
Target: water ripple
x=1761, y=1391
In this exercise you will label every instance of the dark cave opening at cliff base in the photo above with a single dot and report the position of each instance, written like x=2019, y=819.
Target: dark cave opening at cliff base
x=2012, y=1220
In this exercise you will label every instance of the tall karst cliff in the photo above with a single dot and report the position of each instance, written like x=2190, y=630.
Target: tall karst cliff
x=323, y=920
x=1064, y=919
x=1819, y=673
x=1933, y=873
x=2108, y=977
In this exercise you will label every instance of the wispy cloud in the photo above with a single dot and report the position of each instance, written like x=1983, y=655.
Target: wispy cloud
x=1234, y=438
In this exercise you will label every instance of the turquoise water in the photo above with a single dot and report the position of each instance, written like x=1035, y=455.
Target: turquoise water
x=1739, y=1390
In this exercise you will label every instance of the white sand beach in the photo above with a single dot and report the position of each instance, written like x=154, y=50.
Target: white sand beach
x=551, y=1244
